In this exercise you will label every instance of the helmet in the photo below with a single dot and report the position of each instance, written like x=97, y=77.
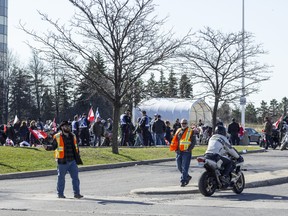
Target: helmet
x=220, y=130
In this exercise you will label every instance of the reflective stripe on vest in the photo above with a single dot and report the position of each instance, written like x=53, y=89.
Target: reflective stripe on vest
x=185, y=140
x=59, y=151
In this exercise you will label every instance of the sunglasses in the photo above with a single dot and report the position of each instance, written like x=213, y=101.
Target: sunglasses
x=184, y=123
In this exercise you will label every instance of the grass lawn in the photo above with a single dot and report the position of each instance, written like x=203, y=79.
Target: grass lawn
x=16, y=159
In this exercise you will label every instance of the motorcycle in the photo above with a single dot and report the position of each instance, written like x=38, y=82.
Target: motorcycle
x=212, y=179
x=284, y=141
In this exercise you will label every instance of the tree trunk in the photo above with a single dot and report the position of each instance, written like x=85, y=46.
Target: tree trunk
x=116, y=114
x=214, y=114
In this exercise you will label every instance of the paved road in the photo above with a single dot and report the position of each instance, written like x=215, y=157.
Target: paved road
x=112, y=191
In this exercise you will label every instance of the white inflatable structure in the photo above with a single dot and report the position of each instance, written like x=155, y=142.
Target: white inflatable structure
x=172, y=108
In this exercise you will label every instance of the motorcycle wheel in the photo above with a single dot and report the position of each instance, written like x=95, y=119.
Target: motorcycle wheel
x=239, y=185
x=207, y=184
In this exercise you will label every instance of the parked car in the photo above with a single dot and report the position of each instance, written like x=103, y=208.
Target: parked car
x=253, y=135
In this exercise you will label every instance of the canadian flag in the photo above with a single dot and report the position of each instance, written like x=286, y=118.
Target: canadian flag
x=278, y=121
x=38, y=134
x=91, y=116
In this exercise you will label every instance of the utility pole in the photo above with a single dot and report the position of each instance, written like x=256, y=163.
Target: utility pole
x=243, y=98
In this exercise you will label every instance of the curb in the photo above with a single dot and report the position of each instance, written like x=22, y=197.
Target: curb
x=194, y=188
x=42, y=173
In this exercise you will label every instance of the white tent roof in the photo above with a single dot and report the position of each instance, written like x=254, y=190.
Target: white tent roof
x=173, y=108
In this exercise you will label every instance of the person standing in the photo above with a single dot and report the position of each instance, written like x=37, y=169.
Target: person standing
x=233, y=130
x=144, y=127
x=183, y=143
x=125, y=122
x=176, y=126
x=268, y=132
x=168, y=132
x=68, y=158
x=158, y=129
x=75, y=127
x=84, y=130
x=98, y=130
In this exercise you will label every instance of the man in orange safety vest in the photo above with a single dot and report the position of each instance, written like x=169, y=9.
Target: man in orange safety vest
x=182, y=143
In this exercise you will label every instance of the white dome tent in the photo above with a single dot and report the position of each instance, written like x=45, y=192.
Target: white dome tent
x=172, y=108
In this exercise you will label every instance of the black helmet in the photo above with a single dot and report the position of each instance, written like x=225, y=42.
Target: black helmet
x=220, y=130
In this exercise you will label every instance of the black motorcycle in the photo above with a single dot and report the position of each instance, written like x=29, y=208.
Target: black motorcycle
x=212, y=179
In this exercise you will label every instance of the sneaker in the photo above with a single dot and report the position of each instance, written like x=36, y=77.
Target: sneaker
x=188, y=179
x=183, y=184
x=78, y=196
x=61, y=197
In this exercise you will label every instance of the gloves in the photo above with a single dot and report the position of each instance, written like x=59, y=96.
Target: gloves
x=240, y=159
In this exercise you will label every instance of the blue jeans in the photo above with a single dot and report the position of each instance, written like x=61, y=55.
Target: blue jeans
x=62, y=169
x=160, y=139
x=183, y=160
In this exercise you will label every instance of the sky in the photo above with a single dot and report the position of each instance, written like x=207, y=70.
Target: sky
x=266, y=19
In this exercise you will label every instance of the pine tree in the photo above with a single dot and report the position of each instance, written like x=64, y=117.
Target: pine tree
x=172, y=85
x=185, y=87
x=251, y=113
x=20, y=100
x=48, y=106
x=151, y=87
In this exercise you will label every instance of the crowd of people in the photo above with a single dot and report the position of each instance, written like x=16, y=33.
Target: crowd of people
x=147, y=131
x=28, y=133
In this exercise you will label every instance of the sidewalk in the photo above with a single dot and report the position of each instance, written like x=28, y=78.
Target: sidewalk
x=252, y=180
x=257, y=174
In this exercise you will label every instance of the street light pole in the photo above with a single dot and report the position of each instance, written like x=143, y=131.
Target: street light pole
x=243, y=99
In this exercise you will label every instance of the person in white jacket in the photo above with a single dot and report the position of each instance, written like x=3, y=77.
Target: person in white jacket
x=219, y=148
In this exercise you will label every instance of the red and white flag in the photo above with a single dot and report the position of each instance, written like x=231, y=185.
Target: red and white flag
x=38, y=134
x=278, y=121
x=91, y=116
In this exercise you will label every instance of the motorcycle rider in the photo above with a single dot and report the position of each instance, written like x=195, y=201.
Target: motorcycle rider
x=218, y=150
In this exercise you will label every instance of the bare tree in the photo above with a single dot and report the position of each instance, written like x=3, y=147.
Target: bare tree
x=125, y=33
x=37, y=71
x=215, y=62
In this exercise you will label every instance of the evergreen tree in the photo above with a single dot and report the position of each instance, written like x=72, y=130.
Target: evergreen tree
x=48, y=106
x=251, y=113
x=172, y=85
x=224, y=112
x=236, y=113
x=185, y=87
x=64, y=95
x=263, y=111
x=274, y=108
x=152, y=87
x=284, y=106
x=163, y=85
x=20, y=101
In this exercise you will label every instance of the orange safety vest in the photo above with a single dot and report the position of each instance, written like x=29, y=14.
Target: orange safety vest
x=185, y=140
x=59, y=151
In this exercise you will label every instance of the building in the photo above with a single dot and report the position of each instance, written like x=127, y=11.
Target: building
x=3, y=58
x=172, y=108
